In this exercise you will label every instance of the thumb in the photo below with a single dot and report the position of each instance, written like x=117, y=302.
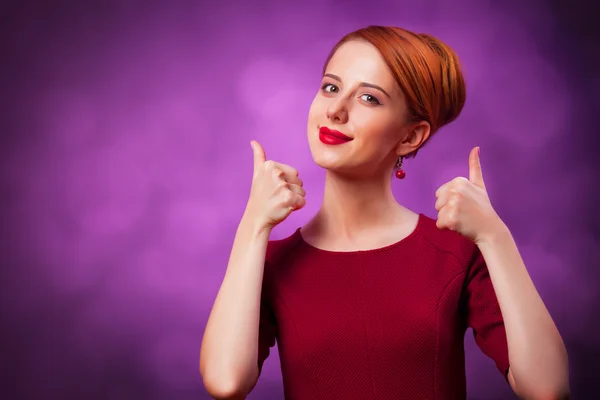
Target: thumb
x=259, y=155
x=475, y=172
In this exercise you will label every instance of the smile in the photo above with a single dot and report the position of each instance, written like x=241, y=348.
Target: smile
x=332, y=137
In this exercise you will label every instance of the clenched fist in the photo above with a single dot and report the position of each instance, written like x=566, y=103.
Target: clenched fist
x=276, y=190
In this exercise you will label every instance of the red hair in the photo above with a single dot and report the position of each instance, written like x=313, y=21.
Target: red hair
x=426, y=69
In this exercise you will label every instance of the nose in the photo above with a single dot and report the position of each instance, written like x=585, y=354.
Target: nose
x=338, y=111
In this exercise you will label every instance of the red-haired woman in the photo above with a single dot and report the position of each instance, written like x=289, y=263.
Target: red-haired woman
x=370, y=300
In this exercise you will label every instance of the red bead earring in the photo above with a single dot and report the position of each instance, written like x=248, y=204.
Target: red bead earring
x=400, y=174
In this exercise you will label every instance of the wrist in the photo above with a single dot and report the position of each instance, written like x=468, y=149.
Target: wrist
x=254, y=227
x=497, y=232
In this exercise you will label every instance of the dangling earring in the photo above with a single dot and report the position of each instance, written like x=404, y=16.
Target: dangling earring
x=400, y=174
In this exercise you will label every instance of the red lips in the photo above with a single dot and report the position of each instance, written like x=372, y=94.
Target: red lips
x=332, y=137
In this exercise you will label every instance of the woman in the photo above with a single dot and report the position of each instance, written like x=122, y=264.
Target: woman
x=370, y=300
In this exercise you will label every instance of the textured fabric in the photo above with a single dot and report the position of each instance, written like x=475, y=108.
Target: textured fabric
x=381, y=324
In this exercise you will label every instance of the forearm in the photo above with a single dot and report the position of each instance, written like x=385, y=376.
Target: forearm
x=538, y=358
x=229, y=353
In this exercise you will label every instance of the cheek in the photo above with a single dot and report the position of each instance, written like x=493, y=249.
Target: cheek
x=316, y=108
x=373, y=128
x=315, y=117
x=378, y=135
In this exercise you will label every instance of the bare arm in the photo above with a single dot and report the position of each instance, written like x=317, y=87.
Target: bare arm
x=537, y=354
x=228, y=357
x=538, y=358
x=229, y=351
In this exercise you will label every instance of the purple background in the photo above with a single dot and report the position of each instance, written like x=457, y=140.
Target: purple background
x=126, y=166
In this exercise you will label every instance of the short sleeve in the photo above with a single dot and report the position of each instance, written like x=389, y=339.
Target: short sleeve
x=267, y=331
x=483, y=314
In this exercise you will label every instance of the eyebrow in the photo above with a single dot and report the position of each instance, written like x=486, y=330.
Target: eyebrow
x=362, y=84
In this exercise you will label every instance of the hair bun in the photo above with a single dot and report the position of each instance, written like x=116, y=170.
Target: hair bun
x=452, y=81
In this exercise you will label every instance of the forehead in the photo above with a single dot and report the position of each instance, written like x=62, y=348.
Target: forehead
x=361, y=61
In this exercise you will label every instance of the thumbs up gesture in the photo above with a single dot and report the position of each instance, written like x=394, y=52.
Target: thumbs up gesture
x=463, y=204
x=276, y=191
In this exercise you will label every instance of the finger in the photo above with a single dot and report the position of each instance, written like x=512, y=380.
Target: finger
x=292, y=200
x=294, y=180
x=289, y=190
x=445, y=220
x=284, y=172
x=299, y=190
x=443, y=189
x=259, y=155
x=475, y=171
x=442, y=200
x=299, y=202
x=440, y=223
x=290, y=173
x=280, y=177
x=278, y=174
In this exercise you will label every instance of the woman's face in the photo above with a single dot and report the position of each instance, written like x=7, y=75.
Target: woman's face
x=359, y=98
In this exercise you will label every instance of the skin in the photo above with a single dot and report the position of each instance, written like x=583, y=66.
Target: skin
x=359, y=212
x=537, y=355
x=358, y=200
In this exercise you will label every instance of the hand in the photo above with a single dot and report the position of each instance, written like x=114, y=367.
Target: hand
x=276, y=190
x=463, y=204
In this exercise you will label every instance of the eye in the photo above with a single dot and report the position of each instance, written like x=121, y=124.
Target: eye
x=329, y=88
x=370, y=99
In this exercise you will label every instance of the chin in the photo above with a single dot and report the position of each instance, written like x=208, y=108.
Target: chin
x=327, y=163
x=331, y=158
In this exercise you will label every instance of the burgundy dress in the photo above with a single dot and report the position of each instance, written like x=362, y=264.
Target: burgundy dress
x=379, y=324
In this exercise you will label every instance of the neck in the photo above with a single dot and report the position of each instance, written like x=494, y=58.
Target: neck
x=351, y=206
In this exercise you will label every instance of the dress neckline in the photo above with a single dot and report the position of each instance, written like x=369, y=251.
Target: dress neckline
x=408, y=238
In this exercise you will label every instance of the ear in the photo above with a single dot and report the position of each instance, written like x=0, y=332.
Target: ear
x=417, y=134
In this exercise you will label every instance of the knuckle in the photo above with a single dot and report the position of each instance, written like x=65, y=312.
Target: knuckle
x=452, y=220
x=276, y=172
x=453, y=204
x=288, y=196
x=294, y=171
x=456, y=192
x=461, y=181
x=269, y=165
x=282, y=186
